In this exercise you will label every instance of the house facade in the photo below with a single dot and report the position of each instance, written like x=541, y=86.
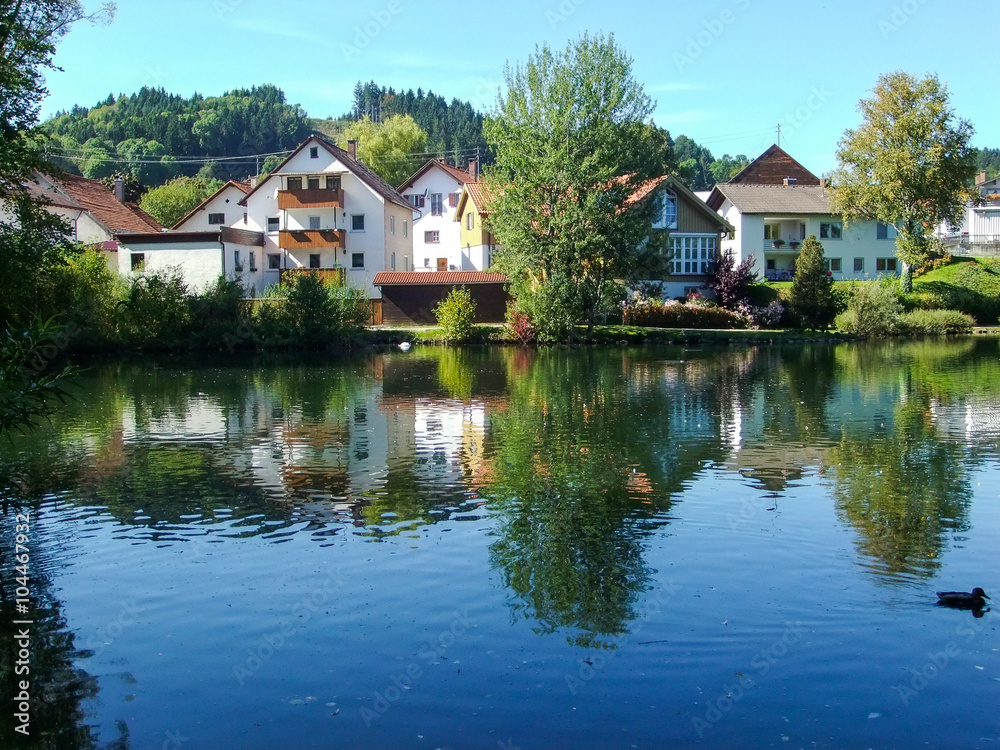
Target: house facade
x=478, y=245
x=434, y=192
x=691, y=232
x=321, y=209
x=775, y=204
x=222, y=209
x=979, y=233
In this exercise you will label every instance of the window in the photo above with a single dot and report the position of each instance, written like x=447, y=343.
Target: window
x=314, y=152
x=470, y=221
x=357, y=260
x=253, y=261
x=246, y=217
x=314, y=222
x=833, y=264
x=406, y=228
x=887, y=265
x=453, y=200
x=313, y=183
x=358, y=223
x=273, y=223
x=392, y=225
x=771, y=265
x=294, y=183
x=138, y=261
x=666, y=211
x=427, y=262
x=216, y=219
x=885, y=231
x=392, y=262
x=859, y=265
x=437, y=204
x=432, y=238
x=417, y=201
x=314, y=260
x=273, y=261
x=333, y=183
x=690, y=255
x=831, y=231
x=236, y=260
x=772, y=231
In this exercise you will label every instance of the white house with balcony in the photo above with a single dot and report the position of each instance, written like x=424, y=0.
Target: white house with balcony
x=321, y=209
x=434, y=192
x=773, y=214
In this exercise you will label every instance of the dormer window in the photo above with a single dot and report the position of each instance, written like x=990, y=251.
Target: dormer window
x=665, y=216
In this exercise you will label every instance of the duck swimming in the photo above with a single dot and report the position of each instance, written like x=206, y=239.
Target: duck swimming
x=962, y=600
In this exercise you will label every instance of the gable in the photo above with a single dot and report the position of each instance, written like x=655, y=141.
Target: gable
x=772, y=168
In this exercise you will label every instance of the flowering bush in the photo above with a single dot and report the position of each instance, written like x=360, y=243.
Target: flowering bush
x=655, y=314
x=761, y=317
x=519, y=327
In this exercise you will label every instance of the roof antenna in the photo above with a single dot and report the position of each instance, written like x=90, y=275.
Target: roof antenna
x=779, y=135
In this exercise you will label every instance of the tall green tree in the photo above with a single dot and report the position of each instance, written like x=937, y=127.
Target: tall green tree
x=812, y=290
x=394, y=148
x=171, y=202
x=571, y=144
x=909, y=164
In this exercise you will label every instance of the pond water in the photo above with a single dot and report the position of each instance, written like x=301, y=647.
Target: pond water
x=625, y=548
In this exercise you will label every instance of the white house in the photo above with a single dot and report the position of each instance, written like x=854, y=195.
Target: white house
x=222, y=209
x=321, y=209
x=434, y=191
x=979, y=233
x=772, y=214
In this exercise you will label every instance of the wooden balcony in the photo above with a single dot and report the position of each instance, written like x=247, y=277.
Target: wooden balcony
x=336, y=276
x=310, y=239
x=320, y=198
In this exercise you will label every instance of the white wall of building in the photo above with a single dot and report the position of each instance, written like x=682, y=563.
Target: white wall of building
x=449, y=247
x=227, y=203
x=200, y=264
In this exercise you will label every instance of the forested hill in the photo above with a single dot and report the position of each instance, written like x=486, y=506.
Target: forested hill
x=454, y=130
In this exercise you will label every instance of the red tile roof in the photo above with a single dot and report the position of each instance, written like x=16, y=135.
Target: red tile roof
x=481, y=195
x=459, y=175
x=101, y=203
x=395, y=278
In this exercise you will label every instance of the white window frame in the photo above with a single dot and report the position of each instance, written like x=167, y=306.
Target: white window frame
x=270, y=259
x=830, y=227
x=666, y=210
x=317, y=220
x=392, y=225
x=690, y=254
x=217, y=219
x=437, y=204
x=432, y=237
x=276, y=220
x=888, y=230
x=357, y=216
x=355, y=267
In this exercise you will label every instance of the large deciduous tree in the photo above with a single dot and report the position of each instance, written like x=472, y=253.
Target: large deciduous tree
x=171, y=202
x=572, y=144
x=909, y=164
x=394, y=148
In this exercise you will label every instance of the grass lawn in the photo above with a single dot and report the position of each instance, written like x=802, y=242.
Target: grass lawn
x=969, y=285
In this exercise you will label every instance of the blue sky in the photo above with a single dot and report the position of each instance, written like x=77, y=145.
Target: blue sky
x=724, y=72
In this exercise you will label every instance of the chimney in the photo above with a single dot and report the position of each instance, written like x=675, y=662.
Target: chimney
x=982, y=178
x=119, y=189
x=474, y=169
x=790, y=181
x=352, y=149
x=823, y=183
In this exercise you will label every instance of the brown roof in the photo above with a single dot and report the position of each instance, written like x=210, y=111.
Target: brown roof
x=775, y=199
x=357, y=168
x=650, y=186
x=460, y=175
x=396, y=278
x=100, y=203
x=771, y=168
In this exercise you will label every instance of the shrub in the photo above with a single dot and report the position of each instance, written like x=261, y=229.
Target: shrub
x=519, y=327
x=731, y=282
x=812, y=300
x=766, y=317
x=154, y=310
x=651, y=314
x=554, y=308
x=874, y=309
x=455, y=314
x=937, y=322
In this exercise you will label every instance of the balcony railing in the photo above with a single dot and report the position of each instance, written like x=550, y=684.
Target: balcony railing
x=318, y=198
x=782, y=246
x=310, y=239
x=973, y=245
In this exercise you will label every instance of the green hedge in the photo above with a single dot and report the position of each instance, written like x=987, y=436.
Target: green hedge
x=682, y=316
x=936, y=322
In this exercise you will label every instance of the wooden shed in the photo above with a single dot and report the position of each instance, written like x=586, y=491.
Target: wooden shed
x=410, y=298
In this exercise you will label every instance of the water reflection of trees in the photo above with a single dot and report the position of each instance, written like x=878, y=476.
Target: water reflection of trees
x=581, y=479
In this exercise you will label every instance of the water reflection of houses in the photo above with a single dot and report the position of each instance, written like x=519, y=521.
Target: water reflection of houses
x=975, y=420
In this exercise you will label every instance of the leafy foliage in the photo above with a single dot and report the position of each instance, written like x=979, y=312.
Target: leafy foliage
x=171, y=202
x=393, y=148
x=874, y=309
x=731, y=282
x=572, y=146
x=654, y=313
x=936, y=322
x=811, y=299
x=456, y=314
x=910, y=163
x=972, y=287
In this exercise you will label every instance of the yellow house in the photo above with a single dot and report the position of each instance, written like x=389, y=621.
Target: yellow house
x=478, y=244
